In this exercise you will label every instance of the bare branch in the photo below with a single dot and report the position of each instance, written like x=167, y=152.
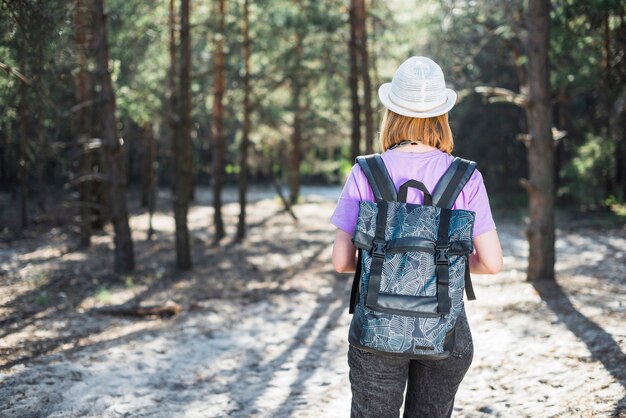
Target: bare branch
x=525, y=139
x=527, y=185
x=87, y=178
x=502, y=95
x=557, y=136
x=81, y=204
x=16, y=73
x=79, y=106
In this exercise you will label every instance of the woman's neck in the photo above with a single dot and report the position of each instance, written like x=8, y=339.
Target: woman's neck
x=414, y=147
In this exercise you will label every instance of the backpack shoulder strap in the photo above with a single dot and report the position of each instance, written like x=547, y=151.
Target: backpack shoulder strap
x=452, y=182
x=378, y=177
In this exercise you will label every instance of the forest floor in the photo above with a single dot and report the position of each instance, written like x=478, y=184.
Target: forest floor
x=264, y=323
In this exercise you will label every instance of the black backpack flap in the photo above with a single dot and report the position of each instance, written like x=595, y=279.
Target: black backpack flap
x=452, y=182
x=378, y=177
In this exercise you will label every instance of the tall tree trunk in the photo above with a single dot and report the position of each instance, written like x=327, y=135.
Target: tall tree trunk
x=361, y=32
x=42, y=156
x=296, y=143
x=8, y=157
x=295, y=156
x=124, y=256
x=82, y=119
x=355, y=143
x=218, y=119
x=151, y=153
x=243, y=172
x=614, y=74
x=182, y=152
x=618, y=130
x=540, y=184
x=147, y=138
x=618, y=116
x=24, y=159
x=171, y=119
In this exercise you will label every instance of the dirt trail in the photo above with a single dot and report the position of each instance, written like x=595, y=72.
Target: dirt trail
x=263, y=331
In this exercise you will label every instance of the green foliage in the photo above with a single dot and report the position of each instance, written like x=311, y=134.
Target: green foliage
x=618, y=208
x=42, y=299
x=305, y=44
x=585, y=173
x=129, y=282
x=103, y=295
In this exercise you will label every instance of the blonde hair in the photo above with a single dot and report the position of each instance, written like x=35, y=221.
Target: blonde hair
x=434, y=131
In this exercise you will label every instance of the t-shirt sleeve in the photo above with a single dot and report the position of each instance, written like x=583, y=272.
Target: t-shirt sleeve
x=347, y=210
x=478, y=202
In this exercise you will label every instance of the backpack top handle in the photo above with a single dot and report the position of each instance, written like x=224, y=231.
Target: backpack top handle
x=428, y=199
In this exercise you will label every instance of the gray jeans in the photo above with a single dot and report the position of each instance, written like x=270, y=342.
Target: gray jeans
x=378, y=382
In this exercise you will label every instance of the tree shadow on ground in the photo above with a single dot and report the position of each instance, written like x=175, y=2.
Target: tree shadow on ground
x=600, y=343
x=221, y=272
x=308, y=364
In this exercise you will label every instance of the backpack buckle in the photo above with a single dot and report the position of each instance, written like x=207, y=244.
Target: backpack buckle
x=441, y=255
x=378, y=249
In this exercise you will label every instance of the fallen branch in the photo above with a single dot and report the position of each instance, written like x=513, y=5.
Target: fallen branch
x=168, y=309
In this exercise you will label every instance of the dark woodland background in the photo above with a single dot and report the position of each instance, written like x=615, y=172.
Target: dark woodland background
x=168, y=169
x=285, y=92
x=99, y=101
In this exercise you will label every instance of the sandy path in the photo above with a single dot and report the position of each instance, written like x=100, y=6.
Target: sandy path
x=276, y=348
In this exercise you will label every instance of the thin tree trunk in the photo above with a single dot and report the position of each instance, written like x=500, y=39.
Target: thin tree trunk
x=295, y=157
x=608, y=94
x=540, y=185
x=619, y=115
x=172, y=102
x=124, y=256
x=146, y=162
x=182, y=153
x=24, y=160
x=151, y=152
x=243, y=172
x=82, y=121
x=9, y=166
x=361, y=32
x=355, y=143
x=296, y=144
x=42, y=156
x=218, y=121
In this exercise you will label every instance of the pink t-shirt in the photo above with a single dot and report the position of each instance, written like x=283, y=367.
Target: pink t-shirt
x=426, y=167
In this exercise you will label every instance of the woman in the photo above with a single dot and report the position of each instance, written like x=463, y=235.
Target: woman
x=417, y=142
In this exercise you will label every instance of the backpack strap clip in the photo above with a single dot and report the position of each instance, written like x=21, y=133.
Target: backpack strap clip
x=441, y=255
x=378, y=249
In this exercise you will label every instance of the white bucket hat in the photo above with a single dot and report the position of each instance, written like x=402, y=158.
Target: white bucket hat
x=418, y=90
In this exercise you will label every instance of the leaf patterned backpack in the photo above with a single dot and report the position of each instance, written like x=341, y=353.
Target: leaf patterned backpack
x=413, y=264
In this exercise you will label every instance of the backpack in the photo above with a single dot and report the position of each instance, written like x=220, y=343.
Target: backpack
x=413, y=264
